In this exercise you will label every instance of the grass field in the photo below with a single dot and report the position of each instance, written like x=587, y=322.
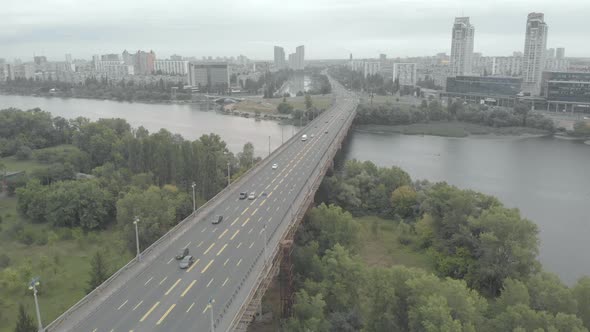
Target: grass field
x=380, y=246
x=450, y=129
x=270, y=105
x=63, y=266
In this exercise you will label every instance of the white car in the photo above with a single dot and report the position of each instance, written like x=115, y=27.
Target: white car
x=275, y=166
x=312, y=135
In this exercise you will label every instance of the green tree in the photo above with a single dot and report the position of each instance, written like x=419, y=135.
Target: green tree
x=285, y=108
x=581, y=292
x=548, y=293
x=24, y=322
x=330, y=225
x=308, y=314
x=403, y=200
x=522, y=110
x=308, y=102
x=99, y=271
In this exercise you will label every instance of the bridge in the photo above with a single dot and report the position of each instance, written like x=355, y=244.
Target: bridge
x=236, y=259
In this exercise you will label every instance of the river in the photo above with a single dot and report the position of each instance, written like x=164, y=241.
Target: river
x=189, y=120
x=548, y=179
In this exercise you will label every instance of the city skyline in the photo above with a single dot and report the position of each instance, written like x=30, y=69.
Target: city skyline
x=398, y=29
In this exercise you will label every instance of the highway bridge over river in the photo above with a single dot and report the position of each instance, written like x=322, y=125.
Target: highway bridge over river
x=222, y=290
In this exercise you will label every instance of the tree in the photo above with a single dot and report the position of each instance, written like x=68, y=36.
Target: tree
x=523, y=110
x=581, y=292
x=330, y=225
x=246, y=157
x=403, y=200
x=308, y=102
x=99, y=271
x=308, y=314
x=24, y=322
x=285, y=108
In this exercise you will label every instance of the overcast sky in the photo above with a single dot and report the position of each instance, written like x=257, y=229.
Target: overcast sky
x=327, y=28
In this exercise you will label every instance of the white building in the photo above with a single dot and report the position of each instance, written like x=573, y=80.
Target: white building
x=371, y=68
x=210, y=76
x=405, y=73
x=560, y=53
x=171, y=67
x=462, y=47
x=535, y=45
x=279, y=57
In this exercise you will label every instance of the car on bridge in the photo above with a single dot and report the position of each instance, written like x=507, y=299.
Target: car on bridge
x=217, y=220
x=182, y=253
x=186, y=262
x=252, y=195
x=275, y=166
x=243, y=195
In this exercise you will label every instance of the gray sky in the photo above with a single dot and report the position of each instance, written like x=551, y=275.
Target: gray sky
x=328, y=28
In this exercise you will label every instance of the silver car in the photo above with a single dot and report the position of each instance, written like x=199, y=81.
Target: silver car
x=186, y=262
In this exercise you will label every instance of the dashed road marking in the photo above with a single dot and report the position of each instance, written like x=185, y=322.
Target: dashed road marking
x=171, y=259
x=166, y=314
x=209, y=283
x=193, y=266
x=224, y=263
x=189, y=308
x=245, y=222
x=188, y=288
x=221, y=250
x=122, y=304
x=161, y=282
x=239, y=262
x=235, y=221
x=222, y=234
x=226, y=279
x=137, y=305
x=148, y=281
x=236, y=233
x=239, y=245
x=207, y=266
x=149, y=311
x=211, y=246
x=200, y=244
x=172, y=287
x=251, y=245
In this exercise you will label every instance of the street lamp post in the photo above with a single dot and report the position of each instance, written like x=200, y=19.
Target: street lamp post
x=194, y=203
x=228, y=175
x=269, y=145
x=282, y=136
x=265, y=243
x=135, y=222
x=33, y=286
x=210, y=306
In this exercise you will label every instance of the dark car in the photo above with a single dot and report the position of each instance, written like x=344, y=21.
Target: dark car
x=186, y=262
x=182, y=253
x=217, y=220
x=243, y=195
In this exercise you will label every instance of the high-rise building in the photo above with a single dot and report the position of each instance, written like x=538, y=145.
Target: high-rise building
x=405, y=73
x=462, y=46
x=535, y=45
x=279, y=57
x=68, y=58
x=371, y=68
x=382, y=57
x=299, y=57
x=144, y=62
x=560, y=53
x=551, y=53
x=110, y=57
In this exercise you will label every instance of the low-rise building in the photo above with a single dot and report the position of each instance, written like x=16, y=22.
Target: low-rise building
x=405, y=73
x=209, y=76
x=495, y=90
x=566, y=91
x=171, y=67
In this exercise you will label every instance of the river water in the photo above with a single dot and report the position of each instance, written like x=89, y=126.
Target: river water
x=189, y=120
x=547, y=179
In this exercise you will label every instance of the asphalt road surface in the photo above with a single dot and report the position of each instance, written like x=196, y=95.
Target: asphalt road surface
x=164, y=297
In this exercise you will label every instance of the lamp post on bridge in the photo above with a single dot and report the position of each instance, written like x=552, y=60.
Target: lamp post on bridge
x=33, y=286
x=210, y=307
x=135, y=222
x=194, y=202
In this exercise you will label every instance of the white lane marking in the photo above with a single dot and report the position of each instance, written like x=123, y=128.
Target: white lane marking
x=251, y=245
x=122, y=304
x=209, y=283
x=251, y=229
x=204, y=229
x=200, y=244
x=147, y=282
x=161, y=282
x=240, y=261
x=171, y=259
x=191, y=306
x=239, y=245
x=226, y=279
x=188, y=244
x=140, y=302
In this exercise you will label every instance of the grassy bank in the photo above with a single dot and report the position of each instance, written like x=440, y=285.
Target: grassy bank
x=270, y=105
x=450, y=129
x=63, y=264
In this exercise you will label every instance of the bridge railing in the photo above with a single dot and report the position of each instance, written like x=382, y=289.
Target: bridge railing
x=133, y=267
x=296, y=214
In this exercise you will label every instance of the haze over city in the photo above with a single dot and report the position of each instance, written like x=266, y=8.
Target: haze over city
x=329, y=29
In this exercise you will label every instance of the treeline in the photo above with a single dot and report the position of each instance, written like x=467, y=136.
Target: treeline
x=390, y=114
x=99, y=88
x=484, y=256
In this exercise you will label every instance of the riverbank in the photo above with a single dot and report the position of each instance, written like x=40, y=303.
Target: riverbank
x=452, y=129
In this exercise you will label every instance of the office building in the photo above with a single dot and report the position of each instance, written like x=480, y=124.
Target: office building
x=405, y=73
x=171, y=67
x=560, y=54
x=550, y=53
x=209, y=77
x=495, y=90
x=535, y=45
x=371, y=68
x=279, y=57
x=297, y=59
x=566, y=90
x=462, y=46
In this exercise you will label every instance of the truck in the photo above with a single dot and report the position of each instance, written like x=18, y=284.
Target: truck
x=304, y=138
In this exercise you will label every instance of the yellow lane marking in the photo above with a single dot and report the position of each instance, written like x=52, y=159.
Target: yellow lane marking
x=253, y=213
x=282, y=180
x=189, y=308
x=166, y=314
x=122, y=304
x=233, y=236
x=239, y=245
x=211, y=246
x=227, y=260
x=206, y=267
x=161, y=282
x=245, y=222
x=193, y=266
x=273, y=180
x=149, y=311
x=221, y=250
x=269, y=194
x=188, y=288
x=209, y=283
x=147, y=282
x=200, y=244
x=252, y=244
x=222, y=234
x=137, y=306
x=246, y=209
x=240, y=261
x=172, y=287
x=226, y=279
